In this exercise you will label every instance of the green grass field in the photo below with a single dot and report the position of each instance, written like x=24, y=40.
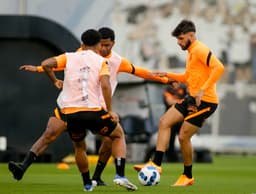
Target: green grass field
x=226, y=175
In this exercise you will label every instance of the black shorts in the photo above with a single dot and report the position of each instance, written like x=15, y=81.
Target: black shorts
x=98, y=122
x=59, y=115
x=198, y=116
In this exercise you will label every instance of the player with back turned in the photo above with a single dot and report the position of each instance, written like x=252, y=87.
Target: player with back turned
x=86, y=79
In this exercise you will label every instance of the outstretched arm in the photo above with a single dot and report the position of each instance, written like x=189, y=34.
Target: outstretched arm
x=38, y=69
x=127, y=67
x=61, y=59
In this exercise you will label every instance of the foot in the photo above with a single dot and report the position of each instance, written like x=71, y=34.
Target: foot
x=124, y=182
x=98, y=182
x=88, y=187
x=16, y=170
x=138, y=167
x=183, y=180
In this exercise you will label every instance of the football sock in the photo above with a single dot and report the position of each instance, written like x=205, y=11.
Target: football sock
x=120, y=164
x=29, y=159
x=99, y=169
x=158, y=158
x=188, y=171
x=86, y=178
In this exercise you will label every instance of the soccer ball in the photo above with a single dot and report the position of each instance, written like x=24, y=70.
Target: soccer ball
x=149, y=176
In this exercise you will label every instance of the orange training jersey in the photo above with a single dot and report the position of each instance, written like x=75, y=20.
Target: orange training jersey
x=81, y=87
x=203, y=70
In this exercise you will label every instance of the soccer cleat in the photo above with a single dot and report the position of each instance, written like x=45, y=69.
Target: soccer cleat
x=124, y=182
x=88, y=187
x=138, y=167
x=98, y=182
x=16, y=170
x=183, y=180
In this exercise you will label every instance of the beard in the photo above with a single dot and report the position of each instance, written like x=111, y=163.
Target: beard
x=185, y=47
x=104, y=53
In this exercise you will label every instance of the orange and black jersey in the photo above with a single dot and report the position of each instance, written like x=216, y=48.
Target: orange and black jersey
x=203, y=69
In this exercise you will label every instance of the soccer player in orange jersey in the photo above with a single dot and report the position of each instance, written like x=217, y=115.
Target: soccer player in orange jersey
x=202, y=72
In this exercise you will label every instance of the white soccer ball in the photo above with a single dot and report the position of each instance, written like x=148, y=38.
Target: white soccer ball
x=149, y=176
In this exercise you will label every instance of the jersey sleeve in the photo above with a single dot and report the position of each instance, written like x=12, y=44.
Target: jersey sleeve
x=104, y=69
x=128, y=67
x=61, y=63
x=216, y=68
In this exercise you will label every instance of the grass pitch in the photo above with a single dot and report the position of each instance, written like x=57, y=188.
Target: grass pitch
x=226, y=175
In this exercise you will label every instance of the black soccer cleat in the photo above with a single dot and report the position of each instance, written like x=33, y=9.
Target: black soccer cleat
x=16, y=170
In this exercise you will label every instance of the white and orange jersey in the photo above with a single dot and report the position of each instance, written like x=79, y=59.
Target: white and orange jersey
x=81, y=87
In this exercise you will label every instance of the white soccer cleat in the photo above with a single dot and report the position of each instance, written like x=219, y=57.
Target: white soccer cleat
x=124, y=182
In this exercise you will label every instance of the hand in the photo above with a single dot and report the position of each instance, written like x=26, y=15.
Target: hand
x=58, y=84
x=114, y=116
x=198, y=97
x=28, y=68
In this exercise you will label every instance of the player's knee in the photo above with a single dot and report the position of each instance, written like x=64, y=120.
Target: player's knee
x=54, y=128
x=183, y=138
x=162, y=123
x=79, y=145
x=49, y=135
x=117, y=133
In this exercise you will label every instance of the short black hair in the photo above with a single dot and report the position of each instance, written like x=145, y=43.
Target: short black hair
x=91, y=37
x=107, y=33
x=184, y=27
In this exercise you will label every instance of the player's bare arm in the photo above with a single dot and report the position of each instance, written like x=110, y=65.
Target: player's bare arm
x=48, y=66
x=107, y=94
